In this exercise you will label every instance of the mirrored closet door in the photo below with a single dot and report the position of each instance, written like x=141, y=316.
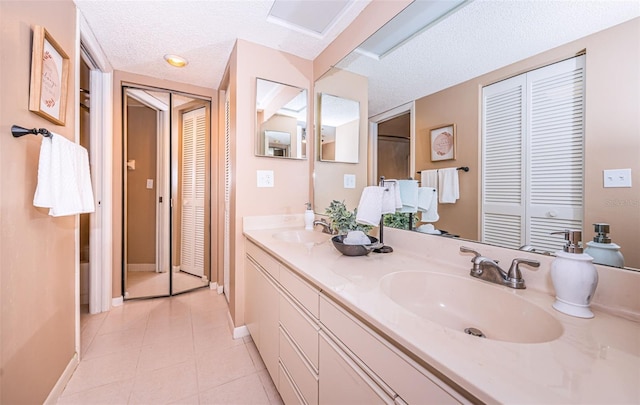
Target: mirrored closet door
x=166, y=192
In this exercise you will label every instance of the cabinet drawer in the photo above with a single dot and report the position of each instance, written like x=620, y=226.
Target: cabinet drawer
x=301, y=290
x=266, y=261
x=301, y=328
x=304, y=378
x=286, y=388
x=407, y=378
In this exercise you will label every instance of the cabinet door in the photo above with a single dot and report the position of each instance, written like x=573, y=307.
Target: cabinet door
x=269, y=330
x=342, y=381
x=251, y=300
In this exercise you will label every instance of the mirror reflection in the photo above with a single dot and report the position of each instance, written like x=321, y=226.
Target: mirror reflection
x=281, y=120
x=439, y=101
x=339, y=129
x=166, y=184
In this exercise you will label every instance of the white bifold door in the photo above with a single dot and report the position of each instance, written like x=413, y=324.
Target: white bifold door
x=533, y=156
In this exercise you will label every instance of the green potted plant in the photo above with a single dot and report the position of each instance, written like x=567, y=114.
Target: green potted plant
x=343, y=220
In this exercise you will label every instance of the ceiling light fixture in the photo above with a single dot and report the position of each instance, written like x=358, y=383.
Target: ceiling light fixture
x=175, y=60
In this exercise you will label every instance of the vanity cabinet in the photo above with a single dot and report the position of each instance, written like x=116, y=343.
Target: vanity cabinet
x=317, y=352
x=281, y=313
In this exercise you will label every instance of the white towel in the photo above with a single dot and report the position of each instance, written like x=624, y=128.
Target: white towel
x=409, y=195
x=394, y=191
x=428, y=204
x=449, y=187
x=370, y=206
x=389, y=200
x=429, y=178
x=64, y=182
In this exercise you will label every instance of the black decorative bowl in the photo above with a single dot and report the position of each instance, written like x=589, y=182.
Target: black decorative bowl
x=353, y=250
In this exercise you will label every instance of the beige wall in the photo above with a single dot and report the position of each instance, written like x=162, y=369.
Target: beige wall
x=612, y=133
x=120, y=78
x=141, y=201
x=291, y=177
x=37, y=252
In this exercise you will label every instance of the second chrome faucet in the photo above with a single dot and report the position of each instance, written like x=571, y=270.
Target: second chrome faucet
x=488, y=269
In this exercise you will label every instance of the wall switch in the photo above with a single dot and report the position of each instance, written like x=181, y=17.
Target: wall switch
x=265, y=178
x=150, y=184
x=617, y=178
x=349, y=181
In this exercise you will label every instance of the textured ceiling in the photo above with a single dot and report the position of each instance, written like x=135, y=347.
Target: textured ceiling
x=136, y=34
x=479, y=38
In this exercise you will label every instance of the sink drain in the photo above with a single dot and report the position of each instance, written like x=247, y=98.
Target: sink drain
x=474, y=332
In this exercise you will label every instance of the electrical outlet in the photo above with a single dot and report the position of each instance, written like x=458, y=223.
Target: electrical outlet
x=265, y=178
x=617, y=178
x=349, y=181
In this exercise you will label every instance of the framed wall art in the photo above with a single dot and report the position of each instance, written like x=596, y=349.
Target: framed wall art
x=49, y=77
x=443, y=143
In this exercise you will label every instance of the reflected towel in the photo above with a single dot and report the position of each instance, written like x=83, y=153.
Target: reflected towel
x=449, y=186
x=428, y=204
x=370, y=206
x=429, y=178
x=409, y=195
x=64, y=181
x=394, y=191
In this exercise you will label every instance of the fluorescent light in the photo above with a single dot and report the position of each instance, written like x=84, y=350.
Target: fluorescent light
x=175, y=60
x=415, y=18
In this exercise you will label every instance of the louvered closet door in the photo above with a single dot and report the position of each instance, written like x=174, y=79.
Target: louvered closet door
x=534, y=122
x=503, y=197
x=193, y=192
x=556, y=134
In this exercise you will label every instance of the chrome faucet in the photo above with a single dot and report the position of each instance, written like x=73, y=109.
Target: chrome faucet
x=488, y=270
x=326, y=227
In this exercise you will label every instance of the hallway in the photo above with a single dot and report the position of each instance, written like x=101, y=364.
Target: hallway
x=176, y=350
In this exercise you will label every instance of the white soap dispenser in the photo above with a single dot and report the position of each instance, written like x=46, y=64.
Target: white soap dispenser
x=309, y=217
x=574, y=277
x=602, y=249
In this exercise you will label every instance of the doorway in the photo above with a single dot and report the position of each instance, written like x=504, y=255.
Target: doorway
x=166, y=183
x=394, y=147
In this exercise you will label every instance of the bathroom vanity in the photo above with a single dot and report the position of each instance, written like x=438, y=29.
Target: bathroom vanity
x=338, y=329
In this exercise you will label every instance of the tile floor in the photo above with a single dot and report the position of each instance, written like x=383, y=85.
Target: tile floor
x=176, y=350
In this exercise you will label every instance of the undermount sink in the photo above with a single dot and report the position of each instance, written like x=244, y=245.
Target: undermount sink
x=471, y=306
x=302, y=236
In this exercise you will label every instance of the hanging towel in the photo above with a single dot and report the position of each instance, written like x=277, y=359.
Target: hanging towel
x=409, y=195
x=428, y=204
x=389, y=199
x=449, y=187
x=370, y=206
x=429, y=178
x=394, y=191
x=64, y=182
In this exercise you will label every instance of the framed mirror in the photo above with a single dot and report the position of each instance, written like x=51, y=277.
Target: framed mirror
x=339, y=129
x=281, y=120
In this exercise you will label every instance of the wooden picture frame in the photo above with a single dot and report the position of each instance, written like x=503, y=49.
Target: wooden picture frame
x=49, y=77
x=443, y=142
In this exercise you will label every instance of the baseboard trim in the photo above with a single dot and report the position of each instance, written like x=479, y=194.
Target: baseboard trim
x=238, y=331
x=141, y=267
x=57, y=390
x=117, y=301
x=220, y=289
x=213, y=285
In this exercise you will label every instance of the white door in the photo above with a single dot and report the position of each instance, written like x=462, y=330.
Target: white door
x=528, y=196
x=193, y=188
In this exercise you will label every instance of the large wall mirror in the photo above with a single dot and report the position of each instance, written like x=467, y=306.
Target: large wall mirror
x=166, y=192
x=339, y=129
x=281, y=120
x=442, y=75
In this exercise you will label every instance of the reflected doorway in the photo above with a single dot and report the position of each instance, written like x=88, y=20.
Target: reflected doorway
x=166, y=185
x=394, y=147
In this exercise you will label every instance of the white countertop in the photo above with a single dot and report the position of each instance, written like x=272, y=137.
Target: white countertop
x=594, y=360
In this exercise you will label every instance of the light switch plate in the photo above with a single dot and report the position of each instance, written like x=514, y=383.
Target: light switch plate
x=617, y=178
x=150, y=184
x=349, y=181
x=265, y=178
